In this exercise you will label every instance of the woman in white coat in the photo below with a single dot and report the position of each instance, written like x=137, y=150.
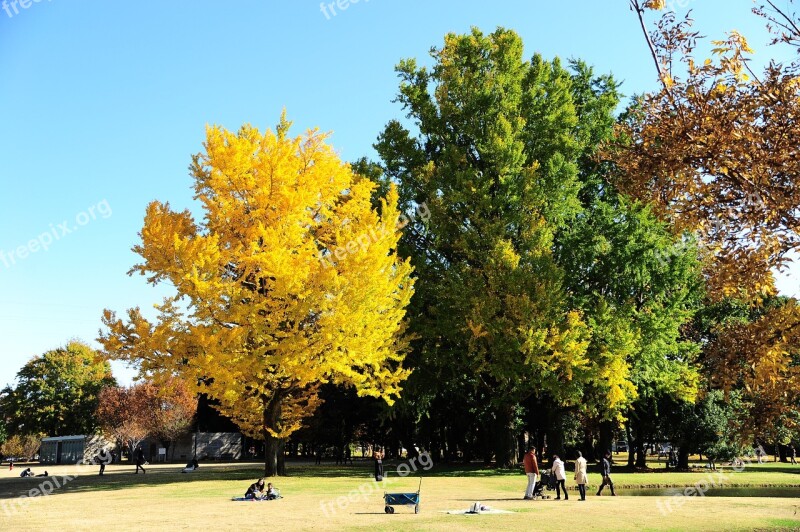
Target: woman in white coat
x=581, y=478
x=561, y=477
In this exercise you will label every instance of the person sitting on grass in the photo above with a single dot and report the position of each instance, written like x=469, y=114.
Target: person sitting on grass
x=191, y=466
x=271, y=493
x=255, y=490
x=26, y=473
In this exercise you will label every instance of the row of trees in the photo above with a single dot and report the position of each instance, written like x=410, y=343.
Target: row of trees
x=71, y=391
x=577, y=274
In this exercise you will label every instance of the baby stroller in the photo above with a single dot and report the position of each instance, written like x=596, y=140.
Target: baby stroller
x=547, y=480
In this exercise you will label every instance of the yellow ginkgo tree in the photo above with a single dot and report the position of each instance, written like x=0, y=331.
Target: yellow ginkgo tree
x=291, y=280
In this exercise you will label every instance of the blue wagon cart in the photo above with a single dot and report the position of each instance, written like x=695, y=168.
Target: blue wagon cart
x=402, y=499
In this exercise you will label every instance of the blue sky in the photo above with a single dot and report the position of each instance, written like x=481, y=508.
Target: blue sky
x=102, y=105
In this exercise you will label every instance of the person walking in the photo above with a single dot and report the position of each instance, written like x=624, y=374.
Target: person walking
x=607, y=475
x=581, y=478
x=139, y=456
x=794, y=454
x=561, y=477
x=531, y=466
x=103, y=458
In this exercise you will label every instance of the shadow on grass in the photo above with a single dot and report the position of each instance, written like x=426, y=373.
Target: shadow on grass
x=89, y=481
x=80, y=480
x=483, y=499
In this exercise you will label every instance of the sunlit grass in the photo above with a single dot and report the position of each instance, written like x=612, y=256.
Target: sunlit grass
x=166, y=499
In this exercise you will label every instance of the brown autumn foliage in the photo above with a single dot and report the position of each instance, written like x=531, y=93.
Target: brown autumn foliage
x=174, y=407
x=760, y=357
x=122, y=415
x=164, y=411
x=717, y=152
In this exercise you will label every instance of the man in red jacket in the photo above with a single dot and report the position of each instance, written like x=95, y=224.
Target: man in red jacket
x=531, y=470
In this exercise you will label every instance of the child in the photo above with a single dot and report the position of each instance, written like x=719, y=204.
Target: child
x=271, y=493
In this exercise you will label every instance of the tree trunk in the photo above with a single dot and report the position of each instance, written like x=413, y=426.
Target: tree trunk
x=555, y=435
x=271, y=455
x=641, y=451
x=631, y=452
x=606, y=436
x=505, y=441
x=641, y=455
x=521, y=443
x=282, y=457
x=683, y=457
x=273, y=466
x=588, y=449
x=783, y=453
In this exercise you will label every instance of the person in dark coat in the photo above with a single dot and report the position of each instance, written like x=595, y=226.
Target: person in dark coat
x=103, y=458
x=378, y=456
x=607, y=475
x=139, y=456
x=256, y=490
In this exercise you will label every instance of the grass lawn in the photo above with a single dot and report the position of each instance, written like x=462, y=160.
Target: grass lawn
x=316, y=497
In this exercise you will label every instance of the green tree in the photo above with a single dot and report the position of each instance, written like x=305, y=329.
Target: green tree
x=4, y=413
x=495, y=159
x=3, y=433
x=639, y=286
x=636, y=282
x=57, y=392
x=709, y=426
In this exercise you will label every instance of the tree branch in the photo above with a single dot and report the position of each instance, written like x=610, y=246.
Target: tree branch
x=635, y=6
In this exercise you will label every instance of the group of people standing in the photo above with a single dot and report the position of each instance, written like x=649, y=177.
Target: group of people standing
x=558, y=470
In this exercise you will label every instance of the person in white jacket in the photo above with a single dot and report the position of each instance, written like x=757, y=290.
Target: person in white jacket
x=581, y=478
x=561, y=477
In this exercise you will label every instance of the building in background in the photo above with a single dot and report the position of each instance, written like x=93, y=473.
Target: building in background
x=71, y=449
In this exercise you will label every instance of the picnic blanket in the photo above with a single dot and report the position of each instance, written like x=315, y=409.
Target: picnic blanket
x=478, y=509
x=256, y=499
x=490, y=511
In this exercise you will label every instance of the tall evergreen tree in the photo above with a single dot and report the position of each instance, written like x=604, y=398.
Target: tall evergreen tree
x=495, y=158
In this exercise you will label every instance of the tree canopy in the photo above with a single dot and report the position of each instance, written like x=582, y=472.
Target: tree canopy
x=57, y=392
x=291, y=280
